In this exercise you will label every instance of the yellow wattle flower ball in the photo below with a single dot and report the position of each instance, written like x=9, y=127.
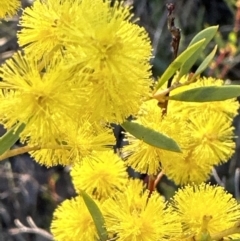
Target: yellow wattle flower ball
x=73, y=222
x=42, y=100
x=205, y=210
x=186, y=169
x=132, y=215
x=212, y=137
x=105, y=43
x=101, y=175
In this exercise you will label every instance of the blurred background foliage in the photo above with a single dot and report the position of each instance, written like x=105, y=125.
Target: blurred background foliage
x=30, y=190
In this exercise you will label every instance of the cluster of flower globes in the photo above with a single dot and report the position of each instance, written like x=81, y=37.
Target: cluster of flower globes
x=85, y=65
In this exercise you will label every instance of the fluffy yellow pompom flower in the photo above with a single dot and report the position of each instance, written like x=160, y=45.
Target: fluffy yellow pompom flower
x=73, y=222
x=212, y=137
x=193, y=170
x=100, y=176
x=134, y=216
x=116, y=52
x=43, y=100
x=205, y=210
x=9, y=7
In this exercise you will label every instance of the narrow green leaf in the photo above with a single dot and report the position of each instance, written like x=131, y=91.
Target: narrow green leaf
x=205, y=63
x=188, y=64
x=178, y=62
x=10, y=138
x=206, y=34
x=97, y=216
x=208, y=93
x=151, y=136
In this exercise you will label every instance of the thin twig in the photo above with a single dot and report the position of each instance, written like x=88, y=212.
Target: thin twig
x=217, y=178
x=18, y=151
x=21, y=228
x=31, y=223
x=25, y=149
x=176, y=36
x=175, y=32
x=151, y=181
x=157, y=180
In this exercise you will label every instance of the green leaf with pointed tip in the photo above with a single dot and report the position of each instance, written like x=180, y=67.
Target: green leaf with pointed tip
x=205, y=63
x=206, y=34
x=97, y=216
x=10, y=138
x=208, y=93
x=151, y=136
x=178, y=62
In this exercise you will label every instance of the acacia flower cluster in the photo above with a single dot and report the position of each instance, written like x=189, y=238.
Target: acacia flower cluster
x=72, y=73
x=195, y=212
x=204, y=132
